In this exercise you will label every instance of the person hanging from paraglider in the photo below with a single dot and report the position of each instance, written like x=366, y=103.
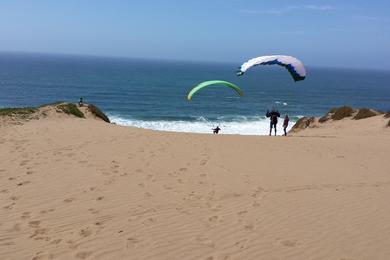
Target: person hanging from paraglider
x=273, y=115
x=216, y=130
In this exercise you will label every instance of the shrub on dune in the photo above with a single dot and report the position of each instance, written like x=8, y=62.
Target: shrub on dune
x=387, y=115
x=364, y=113
x=98, y=113
x=71, y=109
x=342, y=112
x=21, y=111
x=303, y=123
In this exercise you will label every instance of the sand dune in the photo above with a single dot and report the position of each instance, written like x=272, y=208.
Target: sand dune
x=83, y=189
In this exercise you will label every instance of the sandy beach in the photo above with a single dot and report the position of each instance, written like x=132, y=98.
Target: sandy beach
x=85, y=189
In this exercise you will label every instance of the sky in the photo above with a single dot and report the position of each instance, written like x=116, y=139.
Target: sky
x=334, y=33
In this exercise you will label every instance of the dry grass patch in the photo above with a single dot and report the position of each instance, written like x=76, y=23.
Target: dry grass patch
x=21, y=111
x=364, y=113
x=387, y=115
x=71, y=109
x=342, y=112
x=98, y=113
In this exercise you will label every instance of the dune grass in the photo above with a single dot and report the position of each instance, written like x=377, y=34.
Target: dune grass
x=303, y=123
x=364, y=113
x=71, y=109
x=323, y=119
x=21, y=111
x=342, y=112
x=387, y=115
x=98, y=113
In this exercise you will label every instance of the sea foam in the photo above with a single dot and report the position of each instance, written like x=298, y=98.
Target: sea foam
x=202, y=125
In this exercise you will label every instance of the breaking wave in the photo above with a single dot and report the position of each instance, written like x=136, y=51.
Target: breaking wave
x=240, y=125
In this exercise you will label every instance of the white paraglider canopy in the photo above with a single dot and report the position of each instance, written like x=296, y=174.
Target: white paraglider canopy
x=293, y=65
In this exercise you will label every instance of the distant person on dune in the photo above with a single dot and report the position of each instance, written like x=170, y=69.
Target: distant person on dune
x=216, y=130
x=81, y=103
x=285, y=124
x=273, y=115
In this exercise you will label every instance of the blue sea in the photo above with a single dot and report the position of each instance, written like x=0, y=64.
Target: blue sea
x=152, y=93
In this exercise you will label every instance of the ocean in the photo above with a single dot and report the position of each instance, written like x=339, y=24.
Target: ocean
x=152, y=93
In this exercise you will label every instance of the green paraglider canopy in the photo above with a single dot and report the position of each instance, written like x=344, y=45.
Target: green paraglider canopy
x=213, y=82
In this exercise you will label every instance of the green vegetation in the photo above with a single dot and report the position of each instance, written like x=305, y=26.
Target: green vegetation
x=364, y=113
x=98, y=113
x=21, y=111
x=342, y=112
x=323, y=119
x=71, y=109
x=328, y=115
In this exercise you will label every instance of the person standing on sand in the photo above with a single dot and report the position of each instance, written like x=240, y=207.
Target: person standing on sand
x=273, y=115
x=81, y=103
x=216, y=130
x=285, y=124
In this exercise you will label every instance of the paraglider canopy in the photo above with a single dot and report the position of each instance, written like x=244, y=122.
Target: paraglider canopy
x=205, y=84
x=293, y=65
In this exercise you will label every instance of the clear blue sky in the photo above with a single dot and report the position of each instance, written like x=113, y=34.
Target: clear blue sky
x=353, y=33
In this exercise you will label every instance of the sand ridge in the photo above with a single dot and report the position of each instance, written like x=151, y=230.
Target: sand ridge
x=83, y=189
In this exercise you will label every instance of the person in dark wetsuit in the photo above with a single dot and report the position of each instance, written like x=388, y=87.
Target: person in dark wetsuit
x=285, y=124
x=216, y=130
x=81, y=102
x=273, y=115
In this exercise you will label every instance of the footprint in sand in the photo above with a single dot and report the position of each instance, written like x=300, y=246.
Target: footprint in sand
x=42, y=257
x=147, y=195
x=85, y=232
x=94, y=211
x=249, y=227
x=56, y=241
x=10, y=206
x=69, y=200
x=25, y=215
x=132, y=242
x=34, y=224
x=14, y=198
x=29, y=172
x=24, y=162
x=288, y=243
x=242, y=212
x=37, y=235
x=256, y=204
x=213, y=218
x=23, y=183
x=83, y=254
x=100, y=198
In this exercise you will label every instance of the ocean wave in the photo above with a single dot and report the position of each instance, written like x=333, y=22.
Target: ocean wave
x=241, y=126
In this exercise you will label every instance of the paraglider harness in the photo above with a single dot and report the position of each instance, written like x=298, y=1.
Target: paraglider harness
x=273, y=115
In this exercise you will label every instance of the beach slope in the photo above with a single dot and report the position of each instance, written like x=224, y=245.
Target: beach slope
x=74, y=188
